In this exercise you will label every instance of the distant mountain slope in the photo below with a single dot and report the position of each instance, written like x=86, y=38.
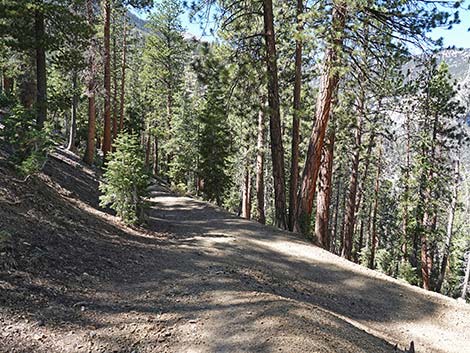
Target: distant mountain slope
x=138, y=22
x=459, y=63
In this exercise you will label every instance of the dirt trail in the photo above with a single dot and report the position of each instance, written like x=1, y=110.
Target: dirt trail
x=196, y=280
x=300, y=298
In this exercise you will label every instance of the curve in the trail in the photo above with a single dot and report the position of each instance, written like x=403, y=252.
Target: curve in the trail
x=196, y=279
x=296, y=292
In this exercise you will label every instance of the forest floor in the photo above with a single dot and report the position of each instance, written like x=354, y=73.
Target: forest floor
x=73, y=278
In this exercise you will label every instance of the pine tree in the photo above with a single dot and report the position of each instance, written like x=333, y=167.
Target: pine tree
x=106, y=145
x=165, y=54
x=436, y=112
x=38, y=26
x=107, y=9
x=214, y=138
x=294, y=169
x=91, y=87
x=125, y=180
x=329, y=84
x=277, y=149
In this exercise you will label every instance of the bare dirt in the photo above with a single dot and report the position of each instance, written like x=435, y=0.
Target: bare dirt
x=73, y=278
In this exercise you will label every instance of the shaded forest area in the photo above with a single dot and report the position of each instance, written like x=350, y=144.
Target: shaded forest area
x=339, y=120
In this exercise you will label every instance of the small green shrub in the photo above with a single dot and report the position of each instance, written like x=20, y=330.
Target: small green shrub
x=30, y=146
x=364, y=256
x=125, y=180
x=6, y=101
x=408, y=273
x=385, y=262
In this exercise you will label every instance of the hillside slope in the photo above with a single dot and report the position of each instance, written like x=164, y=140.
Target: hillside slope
x=197, y=279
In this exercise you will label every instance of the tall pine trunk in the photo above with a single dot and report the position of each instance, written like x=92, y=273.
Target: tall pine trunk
x=365, y=174
x=246, y=198
x=350, y=211
x=360, y=242
x=115, y=86
x=148, y=147
x=335, y=216
x=406, y=192
x=324, y=192
x=41, y=80
x=169, y=123
x=341, y=230
x=123, y=75
x=450, y=225
x=428, y=220
x=106, y=146
x=277, y=150
x=73, y=123
x=260, y=215
x=155, y=155
x=374, y=236
x=91, y=135
x=27, y=88
x=294, y=169
x=426, y=261
x=424, y=227
x=328, y=85
x=360, y=193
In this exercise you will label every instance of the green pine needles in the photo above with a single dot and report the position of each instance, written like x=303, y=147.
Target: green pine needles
x=126, y=180
x=30, y=146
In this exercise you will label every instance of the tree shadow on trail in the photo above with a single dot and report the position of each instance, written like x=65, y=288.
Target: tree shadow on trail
x=325, y=277
x=217, y=282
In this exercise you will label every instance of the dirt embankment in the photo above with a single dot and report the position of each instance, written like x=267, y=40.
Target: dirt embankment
x=196, y=279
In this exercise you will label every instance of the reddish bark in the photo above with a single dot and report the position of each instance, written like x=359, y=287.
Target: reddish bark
x=246, y=199
x=450, y=225
x=73, y=123
x=374, y=237
x=91, y=136
x=260, y=168
x=123, y=76
x=350, y=211
x=426, y=261
x=41, y=79
x=329, y=83
x=115, y=90
x=335, y=216
x=324, y=193
x=277, y=150
x=406, y=190
x=294, y=169
x=429, y=218
x=106, y=145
